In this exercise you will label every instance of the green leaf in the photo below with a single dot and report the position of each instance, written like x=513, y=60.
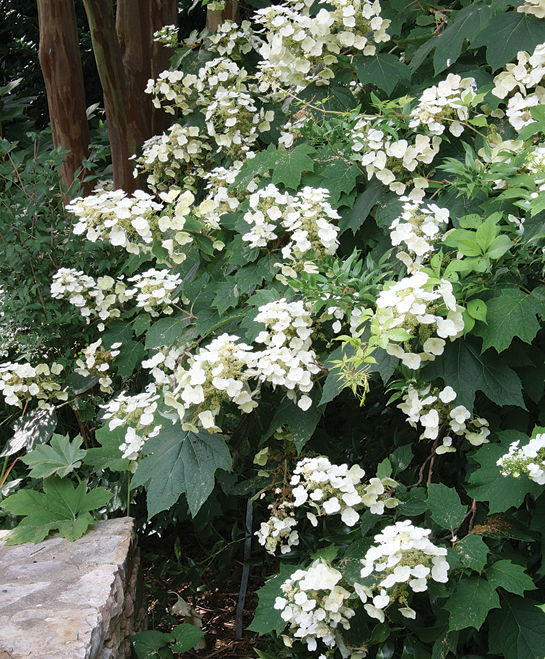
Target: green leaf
x=59, y=507
x=373, y=193
x=61, y=458
x=302, y=423
x=509, y=576
x=510, y=314
x=118, y=332
x=488, y=484
x=383, y=70
x=445, y=507
x=151, y=644
x=166, y=331
x=339, y=177
x=187, y=636
x=108, y=456
x=130, y=355
x=287, y=165
x=445, y=644
x=180, y=462
x=227, y=295
x=466, y=371
x=508, y=33
x=472, y=552
x=470, y=604
x=267, y=618
x=35, y=427
x=468, y=23
x=477, y=309
x=518, y=630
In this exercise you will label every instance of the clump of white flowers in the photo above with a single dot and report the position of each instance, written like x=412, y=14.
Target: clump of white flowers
x=167, y=35
x=233, y=40
x=419, y=227
x=434, y=408
x=402, y=561
x=174, y=156
x=314, y=603
x=288, y=359
x=153, y=290
x=528, y=459
x=102, y=298
x=393, y=160
x=217, y=373
x=410, y=310
x=278, y=530
x=445, y=105
x=20, y=381
x=302, y=47
x=306, y=218
x=524, y=75
x=95, y=359
x=163, y=364
x=330, y=489
x=137, y=414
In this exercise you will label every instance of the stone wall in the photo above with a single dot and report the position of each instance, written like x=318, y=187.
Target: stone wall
x=72, y=600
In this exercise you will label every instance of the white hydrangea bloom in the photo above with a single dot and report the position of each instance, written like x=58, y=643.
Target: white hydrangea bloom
x=95, y=359
x=528, y=459
x=401, y=561
x=153, y=291
x=20, y=381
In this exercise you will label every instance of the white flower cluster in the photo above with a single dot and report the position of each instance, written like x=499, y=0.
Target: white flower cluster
x=221, y=198
x=137, y=413
x=305, y=217
x=233, y=40
x=163, y=364
x=418, y=227
x=535, y=7
x=331, y=489
x=217, y=373
x=224, y=92
x=20, y=381
x=174, y=156
x=167, y=35
x=134, y=222
x=101, y=298
x=529, y=460
x=526, y=74
x=402, y=560
x=288, y=359
x=153, y=290
x=315, y=604
x=392, y=160
x=433, y=408
x=278, y=530
x=302, y=47
x=97, y=360
x=448, y=103
x=412, y=304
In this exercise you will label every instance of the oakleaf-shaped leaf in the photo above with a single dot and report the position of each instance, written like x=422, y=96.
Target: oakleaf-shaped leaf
x=187, y=636
x=518, y=630
x=61, y=457
x=180, y=462
x=288, y=166
x=130, y=355
x=445, y=507
x=383, y=70
x=108, y=456
x=463, y=368
x=470, y=604
x=510, y=314
x=509, y=576
x=508, y=33
x=167, y=330
x=60, y=507
x=471, y=552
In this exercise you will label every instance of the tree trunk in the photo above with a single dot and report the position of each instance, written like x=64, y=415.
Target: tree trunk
x=61, y=66
x=127, y=127
x=216, y=18
x=163, y=12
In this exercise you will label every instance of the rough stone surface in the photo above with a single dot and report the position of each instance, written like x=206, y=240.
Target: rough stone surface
x=72, y=600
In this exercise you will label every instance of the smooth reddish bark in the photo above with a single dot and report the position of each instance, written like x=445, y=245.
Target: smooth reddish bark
x=61, y=67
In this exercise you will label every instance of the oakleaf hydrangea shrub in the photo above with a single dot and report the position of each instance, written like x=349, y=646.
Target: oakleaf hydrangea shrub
x=332, y=288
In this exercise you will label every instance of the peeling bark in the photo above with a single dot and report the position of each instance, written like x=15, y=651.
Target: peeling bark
x=61, y=67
